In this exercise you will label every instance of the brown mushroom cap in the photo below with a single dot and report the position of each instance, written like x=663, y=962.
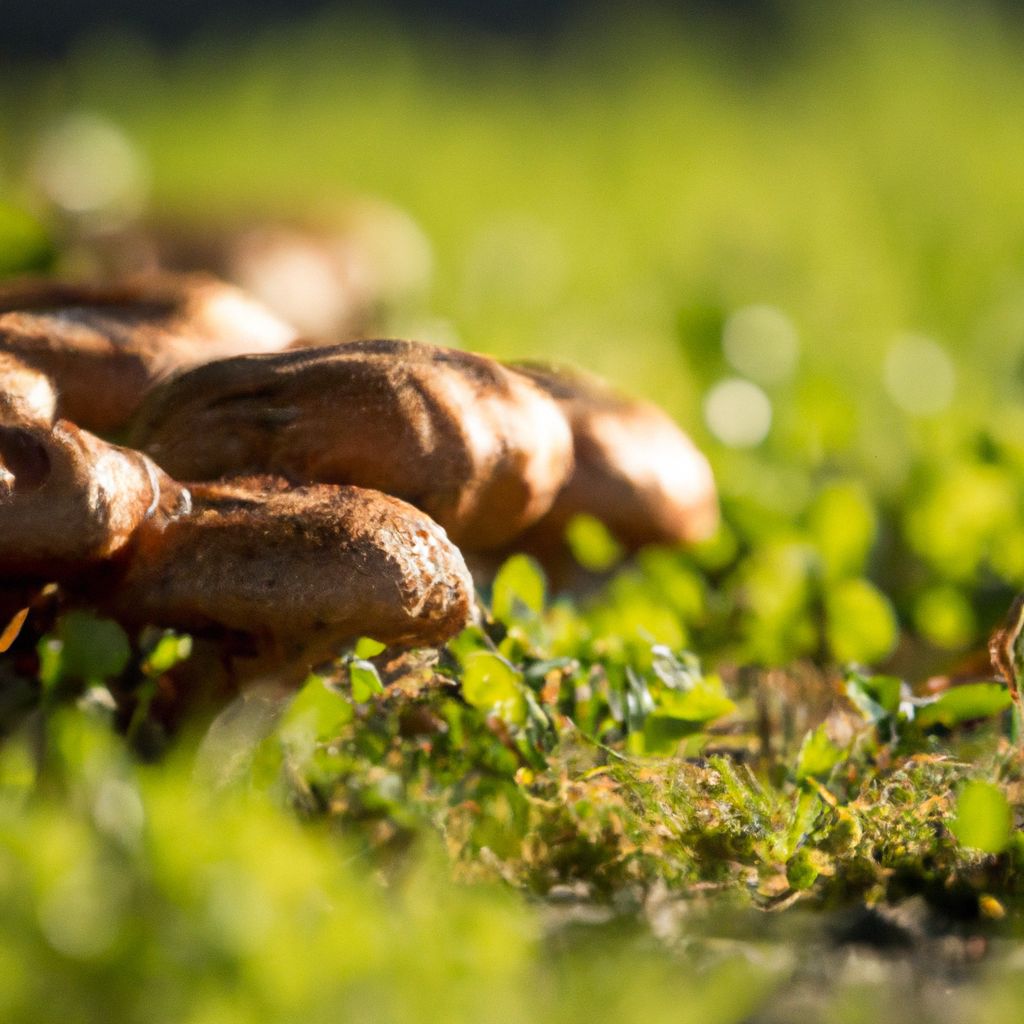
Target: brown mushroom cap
x=336, y=272
x=69, y=500
x=26, y=394
x=106, y=346
x=305, y=567
x=635, y=470
x=478, y=447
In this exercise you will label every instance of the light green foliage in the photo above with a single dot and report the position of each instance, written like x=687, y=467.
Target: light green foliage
x=365, y=680
x=983, y=818
x=843, y=524
x=943, y=615
x=875, y=697
x=25, y=244
x=172, y=893
x=964, y=703
x=591, y=543
x=316, y=713
x=492, y=685
x=367, y=648
x=519, y=585
x=138, y=896
x=168, y=650
x=880, y=700
x=83, y=649
x=861, y=623
x=818, y=755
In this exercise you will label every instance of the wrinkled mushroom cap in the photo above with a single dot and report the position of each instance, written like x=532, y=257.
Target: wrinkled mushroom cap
x=307, y=567
x=105, y=346
x=69, y=500
x=479, y=448
x=635, y=470
x=26, y=394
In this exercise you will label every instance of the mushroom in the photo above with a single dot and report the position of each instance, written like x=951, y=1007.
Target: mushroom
x=69, y=501
x=334, y=275
x=479, y=448
x=26, y=397
x=26, y=394
x=105, y=346
x=335, y=271
x=300, y=570
x=635, y=470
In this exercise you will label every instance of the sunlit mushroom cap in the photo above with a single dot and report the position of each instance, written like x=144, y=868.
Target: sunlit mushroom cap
x=69, y=500
x=26, y=394
x=105, y=346
x=307, y=567
x=635, y=470
x=478, y=447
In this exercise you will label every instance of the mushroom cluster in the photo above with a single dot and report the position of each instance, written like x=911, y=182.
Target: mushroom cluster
x=297, y=495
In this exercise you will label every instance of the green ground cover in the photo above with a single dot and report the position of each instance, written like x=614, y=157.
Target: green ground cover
x=717, y=785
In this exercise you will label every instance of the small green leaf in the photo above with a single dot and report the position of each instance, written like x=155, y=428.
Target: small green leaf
x=49, y=650
x=983, y=818
x=472, y=640
x=964, y=704
x=83, y=648
x=368, y=648
x=703, y=703
x=168, y=651
x=493, y=686
x=818, y=755
x=639, y=701
x=676, y=671
x=661, y=734
x=718, y=551
x=518, y=590
x=944, y=616
x=843, y=524
x=317, y=712
x=801, y=871
x=365, y=680
x=877, y=698
x=861, y=622
x=591, y=543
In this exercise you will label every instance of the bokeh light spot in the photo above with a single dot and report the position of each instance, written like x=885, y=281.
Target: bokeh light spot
x=761, y=343
x=738, y=413
x=919, y=375
x=87, y=166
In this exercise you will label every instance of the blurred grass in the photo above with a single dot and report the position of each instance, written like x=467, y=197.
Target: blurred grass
x=614, y=200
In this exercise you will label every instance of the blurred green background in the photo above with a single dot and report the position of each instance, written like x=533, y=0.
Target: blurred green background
x=806, y=242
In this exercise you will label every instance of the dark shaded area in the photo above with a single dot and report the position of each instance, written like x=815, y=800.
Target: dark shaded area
x=32, y=29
